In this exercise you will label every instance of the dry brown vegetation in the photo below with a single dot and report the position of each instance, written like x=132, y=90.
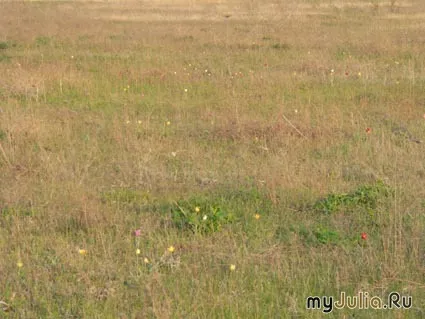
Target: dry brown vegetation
x=112, y=112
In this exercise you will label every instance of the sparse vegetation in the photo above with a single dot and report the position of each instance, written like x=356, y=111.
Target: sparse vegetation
x=210, y=159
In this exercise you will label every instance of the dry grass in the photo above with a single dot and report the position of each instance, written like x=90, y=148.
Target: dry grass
x=112, y=111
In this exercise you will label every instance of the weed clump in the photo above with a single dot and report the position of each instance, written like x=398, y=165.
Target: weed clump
x=205, y=218
x=366, y=196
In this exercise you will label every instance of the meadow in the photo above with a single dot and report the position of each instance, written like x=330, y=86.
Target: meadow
x=210, y=158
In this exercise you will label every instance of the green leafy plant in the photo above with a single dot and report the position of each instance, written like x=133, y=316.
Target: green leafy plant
x=281, y=46
x=3, y=45
x=366, y=196
x=206, y=218
x=326, y=236
x=320, y=235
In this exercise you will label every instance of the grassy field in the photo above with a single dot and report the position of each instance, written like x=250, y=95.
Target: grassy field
x=210, y=159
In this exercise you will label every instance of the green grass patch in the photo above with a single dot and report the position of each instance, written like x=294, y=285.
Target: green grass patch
x=365, y=196
x=203, y=219
x=156, y=164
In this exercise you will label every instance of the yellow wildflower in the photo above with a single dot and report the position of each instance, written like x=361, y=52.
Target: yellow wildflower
x=171, y=249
